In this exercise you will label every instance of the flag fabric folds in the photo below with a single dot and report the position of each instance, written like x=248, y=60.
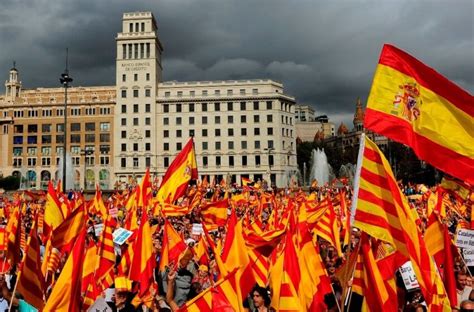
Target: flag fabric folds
x=180, y=172
x=411, y=103
x=383, y=212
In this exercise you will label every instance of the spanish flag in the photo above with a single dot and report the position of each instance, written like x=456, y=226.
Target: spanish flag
x=181, y=171
x=411, y=103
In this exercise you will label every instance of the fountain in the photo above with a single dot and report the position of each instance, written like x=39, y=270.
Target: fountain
x=347, y=171
x=69, y=171
x=320, y=171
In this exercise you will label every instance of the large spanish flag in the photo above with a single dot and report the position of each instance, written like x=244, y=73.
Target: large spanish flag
x=180, y=172
x=411, y=103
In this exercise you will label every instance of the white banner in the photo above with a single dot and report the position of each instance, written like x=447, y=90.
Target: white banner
x=465, y=239
x=409, y=277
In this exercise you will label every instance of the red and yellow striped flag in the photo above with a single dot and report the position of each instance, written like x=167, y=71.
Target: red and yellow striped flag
x=180, y=172
x=383, y=212
x=13, y=231
x=215, y=214
x=328, y=228
x=65, y=234
x=30, y=278
x=105, y=264
x=53, y=215
x=411, y=103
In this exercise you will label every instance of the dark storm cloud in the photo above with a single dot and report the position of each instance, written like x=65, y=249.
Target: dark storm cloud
x=324, y=52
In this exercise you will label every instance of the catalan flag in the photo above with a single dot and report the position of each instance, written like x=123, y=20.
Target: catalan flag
x=383, y=213
x=180, y=172
x=30, y=279
x=411, y=103
x=13, y=230
x=104, y=266
x=328, y=228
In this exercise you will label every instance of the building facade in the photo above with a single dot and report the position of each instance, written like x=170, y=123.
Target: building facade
x=309, y=127
x=243, y=128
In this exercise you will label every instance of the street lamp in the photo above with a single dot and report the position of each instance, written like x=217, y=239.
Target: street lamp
x=86, y=153
x=269, y=150
x=65, y=80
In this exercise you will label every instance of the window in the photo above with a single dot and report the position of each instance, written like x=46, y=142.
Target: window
x=205, y=161
x=256, y=118
x=105, y=126
x=75, y=138
x=166, y=146
x=135, y=147
x=136, y=162
x=166, y=108
x=18, y=129
x=179, y=133
x=47, y=113
x=17, y=162
x=192, y=93
x=135, y=108
x=123, y=162
x=75, y=111
x=230, y=106
x=46, y=139
x=166, y=121
x=230, y=119
x=90, y=126
x=243, y=106
x=243, y=119
x=191, y=132
x=269, y=105
x=230, y=145
x=217, y=120
x=17, y=140
x=147, y=133
x=147, y=146
x=218, y=161
x=242, y=91
x=204, y=120
x=243, y=131
x=191, y=106
x=231, y=161
x=31, y=162
x=255, y=105
x=217, y=132
x=135, y=121
x=135, y=93
x=124, y=94
x=32, y=128
x=256, y=131
x=31, y=151
x=59, y=139
x=147, y=50
x=269, y=118
x=147, y=121
x=230, y=132
x=124, y=147
x=257, y=160
x=204, y=132
x=217, y=145
x=135, y=77
x=191, y=120
x=75, y=126
x=243, y=144
x=180, y=93
x=124, y=77
x=179, y=108
x=90, y=110
x=217, y=107
x=270, y=160
x=124, y=109
x=90, y=138
x=244, y=161
x=166, y=162
x=45, y=128
x=270, y=143
x=179, y=146
x=178, y=120
x=270, y=131
x=124, y=134
x=257, y=145
x=254, y=91
x=166, y=133
x=32, y=139
x=147, y=162
x=147, y=76
x=204, y=107
x=167, y=94
x=204, y=92
x=104, y=160
x=147, y=108
x=17, y=151
x=217, y=92
x=124, y=122
x=204, y=146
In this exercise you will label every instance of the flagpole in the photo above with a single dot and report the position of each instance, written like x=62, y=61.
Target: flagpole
x=349, y=296
x=357, y=178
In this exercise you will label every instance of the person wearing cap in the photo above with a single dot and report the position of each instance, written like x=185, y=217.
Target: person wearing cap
x=202, y=277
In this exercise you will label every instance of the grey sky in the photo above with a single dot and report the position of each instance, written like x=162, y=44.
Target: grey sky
x=324, y=52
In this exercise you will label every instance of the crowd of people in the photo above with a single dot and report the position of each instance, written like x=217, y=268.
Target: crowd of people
x=197, y=270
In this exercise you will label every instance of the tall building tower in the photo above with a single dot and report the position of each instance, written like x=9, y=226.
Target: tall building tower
x=12, y=85
x=138, y=72
x=359, y=116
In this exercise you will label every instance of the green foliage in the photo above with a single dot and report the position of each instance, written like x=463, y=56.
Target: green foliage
x=10, y=183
